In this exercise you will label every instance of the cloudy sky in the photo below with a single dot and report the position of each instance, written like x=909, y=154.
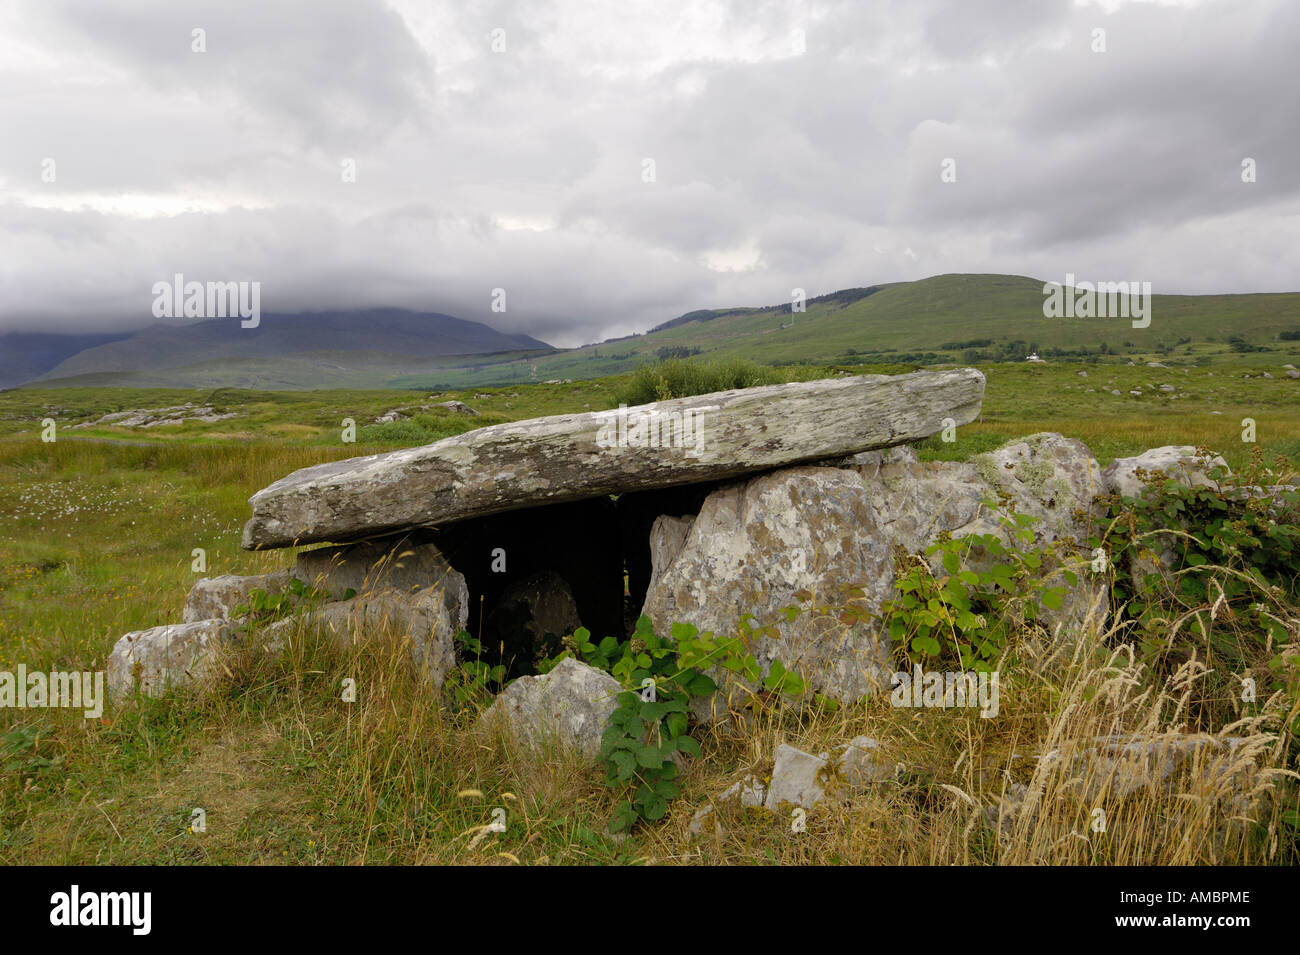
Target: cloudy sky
x=612, y=165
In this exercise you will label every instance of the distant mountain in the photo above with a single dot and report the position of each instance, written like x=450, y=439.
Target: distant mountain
x=953, y=318
x=836, y=299
x=361, y=348
x=28, y=355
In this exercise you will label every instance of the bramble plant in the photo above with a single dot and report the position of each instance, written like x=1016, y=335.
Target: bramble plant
x=650, y=726
x=965, y=613
x=1213, y=569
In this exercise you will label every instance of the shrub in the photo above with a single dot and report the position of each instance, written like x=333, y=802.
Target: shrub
x=679, y=378
x=1212, y=573
x=649, y=728
x=967, y=614
x=418, y=430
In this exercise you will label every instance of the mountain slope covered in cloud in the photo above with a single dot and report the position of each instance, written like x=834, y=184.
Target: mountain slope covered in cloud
x=353, y=339
x=28, y=355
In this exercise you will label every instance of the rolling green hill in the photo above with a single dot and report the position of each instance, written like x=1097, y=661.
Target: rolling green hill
x=971, y=319
x=946, y=318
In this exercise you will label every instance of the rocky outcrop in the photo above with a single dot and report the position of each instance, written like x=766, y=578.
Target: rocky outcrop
x=397, y=589
x=1049, y=477
x=568, y=707
x=457, y=407
x=402, y=414
x=569, y=457
x=1129, y=477
x=155, y=417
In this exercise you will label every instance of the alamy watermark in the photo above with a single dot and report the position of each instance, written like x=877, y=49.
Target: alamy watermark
x=130, y=909
x=1076, y=299
x=38, y=690
x=181, y=299
x=943, y=690
x=653, y=429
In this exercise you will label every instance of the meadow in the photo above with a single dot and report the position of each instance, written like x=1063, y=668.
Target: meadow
x=98, y=537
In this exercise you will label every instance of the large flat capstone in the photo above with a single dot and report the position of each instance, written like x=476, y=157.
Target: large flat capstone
x=568, y=457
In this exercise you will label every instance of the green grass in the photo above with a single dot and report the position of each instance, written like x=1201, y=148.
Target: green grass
x=96, y=539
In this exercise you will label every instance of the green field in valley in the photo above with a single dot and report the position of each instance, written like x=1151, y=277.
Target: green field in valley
x=97, y=535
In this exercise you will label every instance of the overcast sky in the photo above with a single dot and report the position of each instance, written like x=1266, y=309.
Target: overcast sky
x=794, y=144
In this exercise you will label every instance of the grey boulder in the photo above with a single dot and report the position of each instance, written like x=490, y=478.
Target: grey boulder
x=217, y=598
x=1179, y=462
x=754, y=545
x=395, y=563
x=569, y=708
x=167, y=658
x=426, y=620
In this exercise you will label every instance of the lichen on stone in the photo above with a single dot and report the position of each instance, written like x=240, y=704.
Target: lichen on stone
x=987, y=469
x=1034, y=475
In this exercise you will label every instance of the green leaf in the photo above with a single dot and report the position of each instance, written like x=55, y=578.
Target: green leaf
x=667, y=789
x=624, y=817
x=683, y=631
x=927, y=645
x=625, y=762
x=653, y=712
x=703, y=685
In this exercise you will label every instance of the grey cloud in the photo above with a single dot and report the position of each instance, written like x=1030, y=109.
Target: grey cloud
x=522, y=169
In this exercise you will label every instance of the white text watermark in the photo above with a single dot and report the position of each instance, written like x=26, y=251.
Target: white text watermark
x=944, y=690
x=34, y=689
x=75, y=907
x=653, y=429
x=181, y=299
x=1103, y=300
